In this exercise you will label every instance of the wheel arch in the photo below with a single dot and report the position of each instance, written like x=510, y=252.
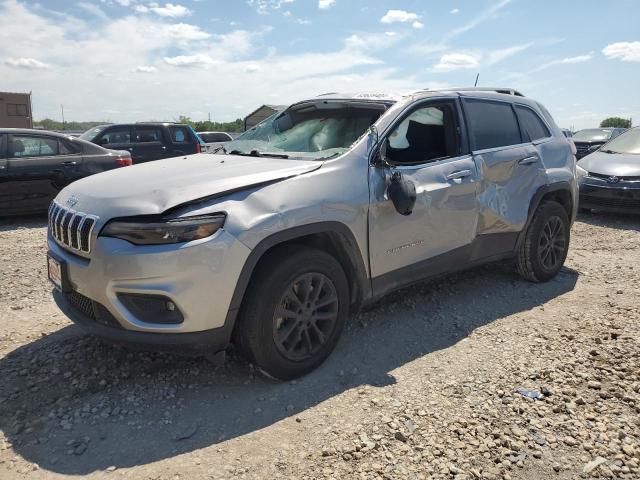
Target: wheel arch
x=559, y=192
x=334, y=238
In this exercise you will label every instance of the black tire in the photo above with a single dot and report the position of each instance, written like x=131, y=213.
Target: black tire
x=546, y=243
x=284, y=328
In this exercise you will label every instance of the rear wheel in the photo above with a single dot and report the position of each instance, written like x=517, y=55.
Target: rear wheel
x=546, y=243
x=294, y=311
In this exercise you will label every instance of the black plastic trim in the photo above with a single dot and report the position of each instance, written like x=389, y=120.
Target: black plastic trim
x=206, y=341
x=349, y=243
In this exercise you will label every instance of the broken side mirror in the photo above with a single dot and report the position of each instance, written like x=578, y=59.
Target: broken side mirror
x=402, y=193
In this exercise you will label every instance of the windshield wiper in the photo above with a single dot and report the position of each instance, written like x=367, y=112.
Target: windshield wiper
x=256, y=153
x=608, y=151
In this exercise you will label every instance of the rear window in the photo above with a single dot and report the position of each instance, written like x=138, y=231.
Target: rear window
x=179, y=134
x=148, y=134
x=492, y=124
x=533, y=128
x=210, y=137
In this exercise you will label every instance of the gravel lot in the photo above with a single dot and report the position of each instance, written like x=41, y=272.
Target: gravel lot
x=423, y=385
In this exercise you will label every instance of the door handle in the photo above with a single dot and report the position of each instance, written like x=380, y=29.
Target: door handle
x=70, y=162
x=458, y=174
x=528, y=160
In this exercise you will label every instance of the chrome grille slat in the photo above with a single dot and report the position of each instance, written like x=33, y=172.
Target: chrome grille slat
x=70, y=228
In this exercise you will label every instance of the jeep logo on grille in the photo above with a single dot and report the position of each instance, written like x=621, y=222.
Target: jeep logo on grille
x=613, y=179
x=72, y=201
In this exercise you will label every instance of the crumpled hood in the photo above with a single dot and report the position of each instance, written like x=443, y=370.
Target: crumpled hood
x=154, y=187
x=617, y=164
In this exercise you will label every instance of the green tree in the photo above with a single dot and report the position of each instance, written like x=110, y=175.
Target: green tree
x=205, y=126
x=615, y=122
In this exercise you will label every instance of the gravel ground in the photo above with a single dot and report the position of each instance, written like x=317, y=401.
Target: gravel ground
x=423, y=385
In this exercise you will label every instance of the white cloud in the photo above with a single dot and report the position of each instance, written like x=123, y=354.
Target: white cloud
x=145, y=69
x=198, y=60
x=625, y=51
x=26, y=63
x=326, y=4
x=417, y=24
x=483, y=17
x=496, y=56
x=264, y=6
x=399, y=16
x=170, y=10
x=563, y=61
x=186, y=32
x=454, y=11
x=252, y=68
x=141, y=8
x=124, y=3
x=456, y=61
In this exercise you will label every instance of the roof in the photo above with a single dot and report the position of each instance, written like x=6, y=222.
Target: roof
x=33, y=131
x=275, y=108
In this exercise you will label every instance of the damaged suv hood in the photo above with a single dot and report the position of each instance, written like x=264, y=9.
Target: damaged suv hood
x=154, y=187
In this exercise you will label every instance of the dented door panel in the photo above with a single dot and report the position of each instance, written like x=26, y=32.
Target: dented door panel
x=444, y=216
x=509, y=178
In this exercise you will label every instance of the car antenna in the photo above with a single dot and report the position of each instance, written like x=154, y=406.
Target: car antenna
x=477, y=77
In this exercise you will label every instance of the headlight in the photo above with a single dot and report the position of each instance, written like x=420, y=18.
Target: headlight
x=154, y=232
x=581, y=172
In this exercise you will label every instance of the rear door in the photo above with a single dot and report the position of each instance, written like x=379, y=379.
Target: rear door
x=37, y=169
x=148, y=144
x=510, y=167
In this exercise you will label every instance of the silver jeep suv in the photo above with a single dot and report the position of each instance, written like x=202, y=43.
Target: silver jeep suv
x=272, y=242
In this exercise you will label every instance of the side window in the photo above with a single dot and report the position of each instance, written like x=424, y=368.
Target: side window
x=492, y=124
x=179, y=134
x=427, y=134
x=25, y=146
x=115, y=136
x=533, y=128
x=66, y=148
x=148, y=134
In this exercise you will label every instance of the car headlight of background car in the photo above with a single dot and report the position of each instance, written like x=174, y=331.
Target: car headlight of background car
x=580, y=172
x=158, y=232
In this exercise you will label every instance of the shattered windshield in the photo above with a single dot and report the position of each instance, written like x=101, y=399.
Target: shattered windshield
x=313, y=131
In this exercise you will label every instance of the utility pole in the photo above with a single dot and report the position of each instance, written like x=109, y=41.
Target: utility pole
x=209, y=117
x=62, y=108
x=477, y=77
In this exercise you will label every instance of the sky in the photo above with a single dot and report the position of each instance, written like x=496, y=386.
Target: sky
x=131, y=60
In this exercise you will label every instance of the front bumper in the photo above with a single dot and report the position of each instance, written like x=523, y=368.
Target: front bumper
x=198, y=277
x=598, y=194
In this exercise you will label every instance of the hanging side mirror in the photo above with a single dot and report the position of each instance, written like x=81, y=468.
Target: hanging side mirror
x=402, y=193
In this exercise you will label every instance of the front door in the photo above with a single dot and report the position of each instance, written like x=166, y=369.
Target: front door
x=426, y=146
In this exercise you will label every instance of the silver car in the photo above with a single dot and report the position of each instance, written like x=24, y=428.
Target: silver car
x=314, y=213
x=610, y=177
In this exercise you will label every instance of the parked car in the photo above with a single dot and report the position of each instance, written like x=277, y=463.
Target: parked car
x=566, y=132
x=215, y=137
x=591, y=139
x=609, y=179
x=214, y=140
x=147, y=141
x=35, y=165
x=319, y=210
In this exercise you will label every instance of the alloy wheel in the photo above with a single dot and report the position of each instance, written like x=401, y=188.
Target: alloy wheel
x=305, y=316
x=552, y=243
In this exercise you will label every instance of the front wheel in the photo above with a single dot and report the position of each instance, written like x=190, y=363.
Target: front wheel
x=294, y=311
x=546, y=243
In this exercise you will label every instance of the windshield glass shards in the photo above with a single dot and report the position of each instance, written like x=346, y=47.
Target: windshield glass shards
x=312, y=130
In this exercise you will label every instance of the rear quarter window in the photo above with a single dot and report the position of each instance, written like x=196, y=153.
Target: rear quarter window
x=492, y=124
x=179, y=135
x=533, y=128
